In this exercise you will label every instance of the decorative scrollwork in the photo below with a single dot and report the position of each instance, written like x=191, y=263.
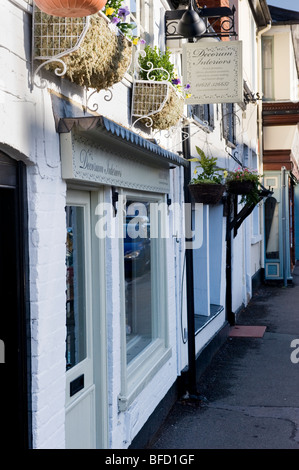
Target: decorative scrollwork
x=59, y=71
x=54, y=38
x=150, y=68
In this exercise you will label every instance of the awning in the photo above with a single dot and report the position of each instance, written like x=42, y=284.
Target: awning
x=100, y=127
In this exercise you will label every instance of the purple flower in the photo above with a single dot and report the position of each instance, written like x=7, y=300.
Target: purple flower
x=187, y=87
x=176, y=81
x=124, y=11
x=115, y=20
x=142, y=41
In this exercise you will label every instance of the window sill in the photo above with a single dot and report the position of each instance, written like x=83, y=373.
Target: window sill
x=142, y=376
x=256, y=239
x=201, y=321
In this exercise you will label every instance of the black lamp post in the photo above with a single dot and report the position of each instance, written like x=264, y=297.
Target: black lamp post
x=191, y=25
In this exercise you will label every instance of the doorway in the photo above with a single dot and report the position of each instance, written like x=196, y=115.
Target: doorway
x=14, y=317
x=86, y=381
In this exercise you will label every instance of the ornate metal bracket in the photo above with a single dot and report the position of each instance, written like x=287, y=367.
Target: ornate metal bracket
x=150, y=95
x=220, y=22
x=52, y=39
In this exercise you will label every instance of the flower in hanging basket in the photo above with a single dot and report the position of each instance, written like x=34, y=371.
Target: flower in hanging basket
x=245, y=182
x=207, y=185
x=70, y=8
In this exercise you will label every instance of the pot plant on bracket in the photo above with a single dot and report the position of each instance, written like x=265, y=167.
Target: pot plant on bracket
x=244, y=182
x=207, y=186
x=158, y=97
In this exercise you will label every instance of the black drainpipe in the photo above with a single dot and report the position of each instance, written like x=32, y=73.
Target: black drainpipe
x=191, y=373
x=228, y=302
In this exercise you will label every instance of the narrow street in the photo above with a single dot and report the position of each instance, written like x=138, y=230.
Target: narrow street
x=248, y=396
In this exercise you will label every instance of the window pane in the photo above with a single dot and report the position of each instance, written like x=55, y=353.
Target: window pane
x=138, y=283
x=75, y=287
x=271, y=228
x=267, y=52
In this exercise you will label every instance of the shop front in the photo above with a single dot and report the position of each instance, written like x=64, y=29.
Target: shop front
x=117, y=305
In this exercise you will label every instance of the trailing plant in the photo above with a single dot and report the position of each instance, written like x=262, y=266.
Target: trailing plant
x=210, y=172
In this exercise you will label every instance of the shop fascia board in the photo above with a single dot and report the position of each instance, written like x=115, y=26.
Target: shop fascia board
x=104, y=130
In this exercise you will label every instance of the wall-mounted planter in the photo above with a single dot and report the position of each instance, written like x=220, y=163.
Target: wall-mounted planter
x=156, y=104
x=70, y=8
x=101, y=59
x=206, y=193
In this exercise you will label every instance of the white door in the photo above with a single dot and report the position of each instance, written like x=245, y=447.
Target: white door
x=80, y=387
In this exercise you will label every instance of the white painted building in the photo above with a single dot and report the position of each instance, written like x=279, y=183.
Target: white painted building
x=104, y=327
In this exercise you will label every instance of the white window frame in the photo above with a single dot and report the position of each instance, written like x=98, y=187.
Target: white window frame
x=142, y=17
x=141, y=369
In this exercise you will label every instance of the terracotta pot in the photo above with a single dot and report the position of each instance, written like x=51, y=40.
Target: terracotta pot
x=70, y=8
x=206, y=193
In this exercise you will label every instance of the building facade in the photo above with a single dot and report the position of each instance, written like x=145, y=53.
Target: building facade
x=280, y=124
x=121, y=282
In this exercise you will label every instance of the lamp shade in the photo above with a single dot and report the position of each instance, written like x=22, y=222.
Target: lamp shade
x=191, y=25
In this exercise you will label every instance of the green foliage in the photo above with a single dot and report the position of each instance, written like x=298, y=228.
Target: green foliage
x=210, y=173
x=116, y=4
x=155, y=58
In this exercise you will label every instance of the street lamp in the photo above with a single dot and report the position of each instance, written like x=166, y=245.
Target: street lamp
x=191, y=25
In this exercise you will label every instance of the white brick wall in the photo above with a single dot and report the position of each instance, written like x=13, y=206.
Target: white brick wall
x=47, y=292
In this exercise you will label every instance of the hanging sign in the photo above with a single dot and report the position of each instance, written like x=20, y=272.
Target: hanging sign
x=214, y=71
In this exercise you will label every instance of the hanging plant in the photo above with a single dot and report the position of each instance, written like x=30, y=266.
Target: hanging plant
x=70, y=8
x=206, y=186
x=102, y=59
x=246, y=183
x=158, y=97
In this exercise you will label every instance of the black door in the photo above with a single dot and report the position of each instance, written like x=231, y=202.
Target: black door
x=14, y=319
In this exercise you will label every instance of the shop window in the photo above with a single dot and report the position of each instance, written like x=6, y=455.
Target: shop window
x=144, y=294
x=75, y=287
x=138, y=251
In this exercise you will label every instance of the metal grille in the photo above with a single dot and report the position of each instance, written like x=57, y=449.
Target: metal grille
x=56, y=36
x=149, y=97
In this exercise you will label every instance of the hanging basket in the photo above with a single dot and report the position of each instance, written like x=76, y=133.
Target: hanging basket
x=156, y=104
x=240, y=187
x=70, y=8
x=102, y=59
x=206, y=193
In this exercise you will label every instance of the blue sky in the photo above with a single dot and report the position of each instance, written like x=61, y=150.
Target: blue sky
x=287, y=4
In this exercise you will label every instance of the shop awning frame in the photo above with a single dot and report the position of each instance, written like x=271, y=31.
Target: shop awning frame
x=101, y=127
